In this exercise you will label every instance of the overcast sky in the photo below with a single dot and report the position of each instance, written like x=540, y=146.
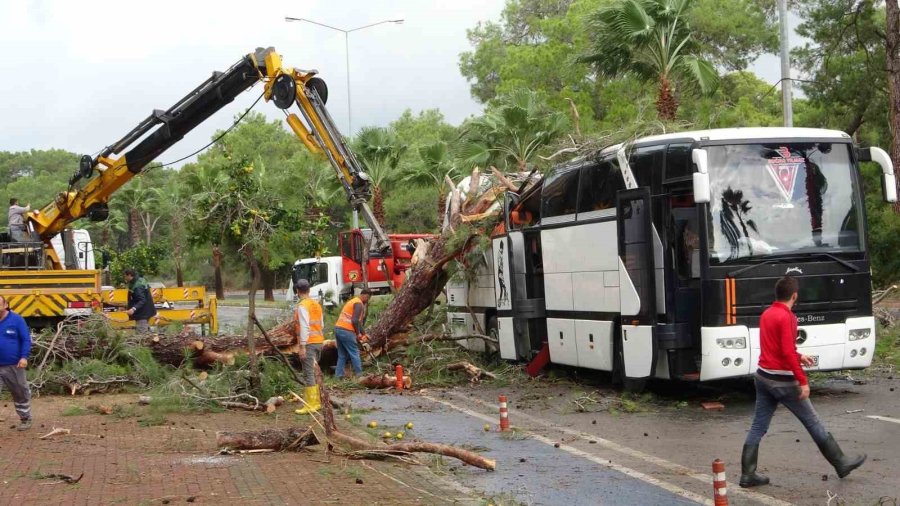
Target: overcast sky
x=80, y=74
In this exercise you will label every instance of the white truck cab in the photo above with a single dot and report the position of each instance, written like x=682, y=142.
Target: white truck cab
x=79, y=254
x=325, y=276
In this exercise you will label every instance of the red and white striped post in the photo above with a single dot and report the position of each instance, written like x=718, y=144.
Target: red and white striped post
x=398, y=370
x=504, y=414
x=719, y=489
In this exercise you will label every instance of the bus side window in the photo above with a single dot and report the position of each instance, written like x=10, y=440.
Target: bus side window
x=646, y=163
x=560, y=194
x=678, y=161
x=599, y=184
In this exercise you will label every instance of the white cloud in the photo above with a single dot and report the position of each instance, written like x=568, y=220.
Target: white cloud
x=79, y=75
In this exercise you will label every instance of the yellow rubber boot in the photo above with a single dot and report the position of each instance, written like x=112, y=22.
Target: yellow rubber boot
x=312, y=400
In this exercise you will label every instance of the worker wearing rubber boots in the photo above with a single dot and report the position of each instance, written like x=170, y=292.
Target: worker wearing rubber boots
x=780, y=380
x=308, y=326
x=349, y=331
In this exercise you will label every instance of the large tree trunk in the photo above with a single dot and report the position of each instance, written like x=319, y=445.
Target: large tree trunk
x=134, y=227
x=378, y=205
x=666, y=102
x=217, y=272
x=429, y=274
x=892, y=52
x=268, y=283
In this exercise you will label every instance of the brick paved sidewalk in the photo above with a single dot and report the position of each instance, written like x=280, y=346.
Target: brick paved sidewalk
x=177, y=463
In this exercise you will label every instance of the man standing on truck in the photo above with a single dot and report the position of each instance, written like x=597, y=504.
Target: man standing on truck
x=309, y=325
x=15, y=346
x=17, y=220
x=780, y=380
x=348, y=330
x=140, y=301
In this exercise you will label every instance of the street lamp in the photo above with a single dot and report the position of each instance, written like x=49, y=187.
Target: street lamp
x=346, y=52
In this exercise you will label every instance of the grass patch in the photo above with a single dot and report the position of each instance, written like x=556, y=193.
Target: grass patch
x=887, y=346
x=74, y=411
x=514, y=434
x=504, y=499
x=354, y=472
x=152, y=420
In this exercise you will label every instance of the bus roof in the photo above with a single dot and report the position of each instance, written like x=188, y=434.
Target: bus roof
x=740, y=134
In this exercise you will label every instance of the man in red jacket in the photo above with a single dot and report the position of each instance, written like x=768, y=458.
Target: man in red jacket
x=780, y=380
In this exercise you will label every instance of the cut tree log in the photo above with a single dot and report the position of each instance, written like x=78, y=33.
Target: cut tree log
x=476, y=374
x=293, y=439
x=384, y=381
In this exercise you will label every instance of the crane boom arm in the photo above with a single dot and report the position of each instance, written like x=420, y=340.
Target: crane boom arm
x=162, y=129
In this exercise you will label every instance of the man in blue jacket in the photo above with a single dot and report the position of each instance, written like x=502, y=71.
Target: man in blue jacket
x=15, y=346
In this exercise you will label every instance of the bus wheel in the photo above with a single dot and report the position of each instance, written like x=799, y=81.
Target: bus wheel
x=619, y=380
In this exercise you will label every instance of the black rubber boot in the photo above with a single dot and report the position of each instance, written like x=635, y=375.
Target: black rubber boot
x=843, y=464
x=749, y=478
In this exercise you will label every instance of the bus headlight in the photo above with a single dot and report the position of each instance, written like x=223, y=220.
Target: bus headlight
x=732, y=343
x=857, y=334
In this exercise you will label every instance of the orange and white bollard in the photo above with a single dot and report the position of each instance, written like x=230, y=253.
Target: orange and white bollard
x=398, y=370
x=504, y=414
x=719, y=489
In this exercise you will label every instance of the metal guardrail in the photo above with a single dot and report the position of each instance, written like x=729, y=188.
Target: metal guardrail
x=22, y=255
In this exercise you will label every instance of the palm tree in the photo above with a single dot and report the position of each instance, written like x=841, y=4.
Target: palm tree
x=437, y=164
x=734, y=207
x=651, y=40
x=511, y=132
x=379, y=150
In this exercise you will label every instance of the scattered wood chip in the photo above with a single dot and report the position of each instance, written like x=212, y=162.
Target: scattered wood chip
x=713, y=406
x=55, y=432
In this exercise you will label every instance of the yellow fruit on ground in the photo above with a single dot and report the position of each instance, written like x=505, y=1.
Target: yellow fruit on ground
x=399, y=435
x=487, y=427
x=409, y=425
x=373, y=424
x=347, y=417
x=387, y=435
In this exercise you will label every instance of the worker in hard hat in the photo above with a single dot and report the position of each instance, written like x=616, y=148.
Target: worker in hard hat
x=309, y=327
x=349, y=330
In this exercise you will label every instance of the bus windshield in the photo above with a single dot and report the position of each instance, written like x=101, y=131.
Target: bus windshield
x=785, y=198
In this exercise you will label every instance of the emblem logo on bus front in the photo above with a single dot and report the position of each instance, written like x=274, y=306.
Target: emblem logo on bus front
x=794, y=270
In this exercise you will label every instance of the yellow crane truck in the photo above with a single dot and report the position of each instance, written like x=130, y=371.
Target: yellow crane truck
x=45, y=287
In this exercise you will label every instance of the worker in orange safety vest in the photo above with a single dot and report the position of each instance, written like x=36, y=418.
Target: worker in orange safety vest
x=349, y=330
x=309, y=327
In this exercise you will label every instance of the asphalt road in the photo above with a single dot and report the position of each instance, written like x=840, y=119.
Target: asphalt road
x=662, y=453
x=234, y=318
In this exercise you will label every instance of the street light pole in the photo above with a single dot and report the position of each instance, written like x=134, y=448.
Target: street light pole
x=786, y=88
x=346, y=33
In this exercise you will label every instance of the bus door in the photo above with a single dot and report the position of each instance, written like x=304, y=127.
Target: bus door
x=637, y=284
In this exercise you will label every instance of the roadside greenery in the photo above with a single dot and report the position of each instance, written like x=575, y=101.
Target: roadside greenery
x=550, y=74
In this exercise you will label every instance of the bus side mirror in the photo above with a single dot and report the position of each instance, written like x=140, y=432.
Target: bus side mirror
x=701, y=177
x=888, y=180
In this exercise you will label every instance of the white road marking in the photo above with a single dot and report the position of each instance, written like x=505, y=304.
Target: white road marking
x=884, y=418
x=677, y=468
x=687, y=494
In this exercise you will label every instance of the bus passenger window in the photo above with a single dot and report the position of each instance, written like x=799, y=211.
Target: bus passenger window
x=646, y=164
x=560, y=194
x=599, y=184
x=678, y=161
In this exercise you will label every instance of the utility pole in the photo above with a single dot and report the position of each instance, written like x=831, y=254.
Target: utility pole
x=786, y=90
